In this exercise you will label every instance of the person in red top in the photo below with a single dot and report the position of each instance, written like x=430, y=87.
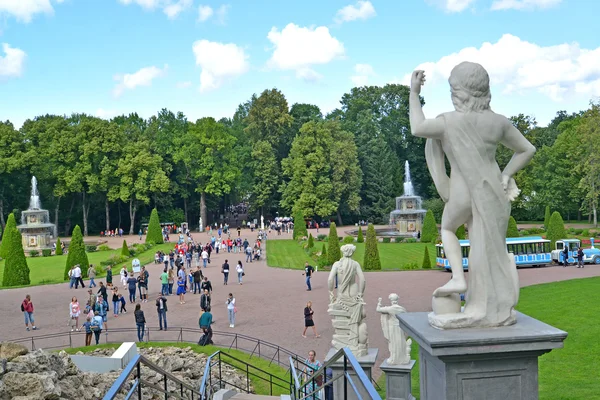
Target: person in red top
x=27, y=308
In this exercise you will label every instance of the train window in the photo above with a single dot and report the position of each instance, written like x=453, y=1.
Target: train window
x=546, y=247
x=559, y=245
x=465, y=251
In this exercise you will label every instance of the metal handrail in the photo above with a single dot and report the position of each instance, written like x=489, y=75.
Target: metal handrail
x=301, y=390
x=135, y=364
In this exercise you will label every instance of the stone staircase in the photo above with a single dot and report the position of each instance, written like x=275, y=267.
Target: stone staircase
x=231, y=395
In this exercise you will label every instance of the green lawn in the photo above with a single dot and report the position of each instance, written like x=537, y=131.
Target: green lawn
x=47, y=270
x=261, y=386
x=393, y=256
x=570, y=373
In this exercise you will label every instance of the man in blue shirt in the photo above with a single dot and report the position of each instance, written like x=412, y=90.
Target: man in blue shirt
x=205, y=322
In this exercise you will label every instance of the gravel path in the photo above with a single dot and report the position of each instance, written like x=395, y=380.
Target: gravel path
x=270, y=302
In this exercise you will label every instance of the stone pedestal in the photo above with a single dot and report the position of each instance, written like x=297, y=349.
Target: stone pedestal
x=397, y=380
x=367, y=363
x=475, y=364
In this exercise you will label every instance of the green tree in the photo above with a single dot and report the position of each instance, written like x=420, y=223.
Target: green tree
x=323, y=260
x=512, y=231
x=547, y=217
x=371, y=260
x=154, y=234
x=426, y=259
x=125, y=249
x=461, y=233
x=11, y=225
x=58, y=251
x=333, y=252
x=311, y=241
x=77, y=254
x=359, y=237
x=299, y=226
x=430, y=230
x=556, y=229
x=16, y=271
x=589, y=169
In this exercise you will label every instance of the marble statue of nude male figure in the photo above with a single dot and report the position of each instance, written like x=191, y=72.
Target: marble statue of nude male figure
x=477, y=193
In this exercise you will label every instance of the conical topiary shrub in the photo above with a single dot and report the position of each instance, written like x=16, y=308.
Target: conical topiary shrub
x=556, y=229
x=371, y=260
x=426, y=259
x=360, y=238
x=300, y=230
x=154, y=234
x=11, y=225
x=16, y=270
x=125, y=249
x=333, y=243
x=77, y=254
x=430, y=231
x=461, y=233
x=512, y=231
x=323, y=261
x=311, y=241
x=58, y=250
x=547, y=218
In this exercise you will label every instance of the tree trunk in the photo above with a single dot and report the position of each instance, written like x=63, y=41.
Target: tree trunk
x=2, y=215
x=203, y=208
x=339, y=216
x=84, y=209
x=107, y=210
x=595, y=217
x=185, y=209
x=132, y=210
x=56, y=217
x=68, y=221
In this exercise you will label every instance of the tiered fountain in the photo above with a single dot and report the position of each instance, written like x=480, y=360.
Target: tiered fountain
x=35, y=228
x=407, y=218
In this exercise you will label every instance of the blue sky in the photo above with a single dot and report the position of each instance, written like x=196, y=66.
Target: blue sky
x=107, y=57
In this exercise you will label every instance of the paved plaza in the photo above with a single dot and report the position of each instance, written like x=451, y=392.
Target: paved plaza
x=270, y=302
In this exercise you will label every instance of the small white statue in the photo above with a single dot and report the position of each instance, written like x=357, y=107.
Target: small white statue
x=262, y=223
x=398, y=345
x=477, y=193
x=347, y=307
x=201, y=226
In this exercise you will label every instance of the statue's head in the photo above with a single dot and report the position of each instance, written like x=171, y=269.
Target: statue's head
x=394, y=298
x=470, y=87
x=348, y=250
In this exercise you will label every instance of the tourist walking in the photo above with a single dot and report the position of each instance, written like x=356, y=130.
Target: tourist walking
x=231, y=310
x=204, y=256
x=206, y=285
x=240, y=271
x=181, y=289
x=109, y=276
x=27, y=308
x=123, y=304
x=171, y=282
x=97, y=325
x=116, y=302
x=565, y=256
x=248, y=251
x=102, y=291
x=142, y=281
x=308, y=271
x=197, y=279
x=225, y=271
x=140, y=321
x=74, y=311
x=312, y=366
x=132, y=287
x=87, y=325
x=164, y=281
x=580, y=263
x=161, y=309
x=124, y=277
x=205, y=300
x=102, y=310
x=205, y=323
x=92, y=275
x=308, y=320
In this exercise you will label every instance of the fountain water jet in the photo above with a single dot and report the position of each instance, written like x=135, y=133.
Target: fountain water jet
x=35, y=228
x=408, y=216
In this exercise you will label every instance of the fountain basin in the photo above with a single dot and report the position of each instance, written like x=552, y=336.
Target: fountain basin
x=36, y=230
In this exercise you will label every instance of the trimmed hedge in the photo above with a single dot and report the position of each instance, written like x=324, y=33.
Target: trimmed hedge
x=46, y=253
x=426, y=259
x=556, y=229
x=461, y=233
x=311, y=241
x=76, y=253
x=300, y=230
x=333, y=252
x=430, y=231
x=547, y=216
x=359, y=238
x=58, y=250
x=11, y=225
x=125, y=249
x=371, y=261
x=16, y=270
x=323, y=260
x=154, y=234
x=512, y=231
x=348, y=240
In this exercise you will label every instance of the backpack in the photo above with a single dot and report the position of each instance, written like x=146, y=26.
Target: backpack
x=22, y=308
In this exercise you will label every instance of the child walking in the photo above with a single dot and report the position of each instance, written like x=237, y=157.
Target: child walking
x=181, y=289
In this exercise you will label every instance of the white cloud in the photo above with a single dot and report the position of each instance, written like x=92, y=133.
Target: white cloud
x=362, y=10
x=219, y=61
x=518, y=66
x=222, y=13
x=12, y=63
x=308, y=75
x=24, y=10
x=204, y=13
x=174, y=9
x=106, y=114
x=523, y=4
x=143, y=77
x=183, y=85
x=363, y=72
x=147, y=4
x=298, y=48
x=453, y=6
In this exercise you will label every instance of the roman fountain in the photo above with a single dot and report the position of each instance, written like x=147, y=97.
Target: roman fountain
x=35, y=228
x=407, y=218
